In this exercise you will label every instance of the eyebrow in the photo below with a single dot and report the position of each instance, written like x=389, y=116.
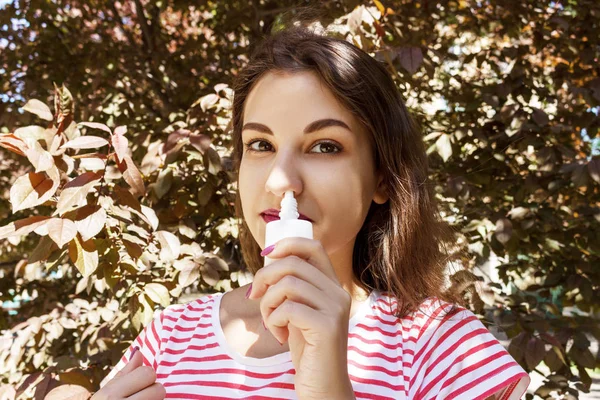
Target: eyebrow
x=310, y=128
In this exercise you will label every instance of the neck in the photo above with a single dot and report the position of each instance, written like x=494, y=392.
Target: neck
x=342, y=264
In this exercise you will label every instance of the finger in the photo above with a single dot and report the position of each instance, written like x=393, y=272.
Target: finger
x=310, y=250
x=138, y=379
x=134, y=361
x=154, y=392
x=304, y=318
x=291, y=265
x=295, y=289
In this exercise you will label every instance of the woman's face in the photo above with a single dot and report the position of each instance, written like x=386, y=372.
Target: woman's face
x=329, y=166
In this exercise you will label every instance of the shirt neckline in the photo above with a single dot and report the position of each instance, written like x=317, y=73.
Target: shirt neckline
x=281, y=358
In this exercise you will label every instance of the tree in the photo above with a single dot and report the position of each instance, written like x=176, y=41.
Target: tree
x=132, y=205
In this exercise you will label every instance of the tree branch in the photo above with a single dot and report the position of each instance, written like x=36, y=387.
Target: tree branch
x=147, y=37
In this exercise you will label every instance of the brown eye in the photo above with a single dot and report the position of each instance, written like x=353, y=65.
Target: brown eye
x=262, y=146
x=327, y=148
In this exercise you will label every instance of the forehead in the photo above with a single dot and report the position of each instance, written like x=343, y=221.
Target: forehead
x=297, y=98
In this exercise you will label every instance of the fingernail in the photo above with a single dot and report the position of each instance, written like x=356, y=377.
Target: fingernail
x=136, y=348
x=249, y=290
x=264, y=326
x=267, y=250
x=281, y=344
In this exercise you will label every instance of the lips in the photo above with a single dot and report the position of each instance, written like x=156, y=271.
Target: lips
x=272, y=214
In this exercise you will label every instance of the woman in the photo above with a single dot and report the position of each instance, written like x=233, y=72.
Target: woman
x=358, y=312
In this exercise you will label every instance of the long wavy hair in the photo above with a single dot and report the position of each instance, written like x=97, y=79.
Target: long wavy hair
x=400, y=247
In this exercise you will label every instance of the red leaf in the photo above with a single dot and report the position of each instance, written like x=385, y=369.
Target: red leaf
x=13, y=143
x=38, y=108
x=75, y=192
x=61, y=231
x=96, y=125
x=34, y=189
x=594, y=170
x=119, y=143
x=22, y=226
x=411, y=58
x=132, y=176
x=85, y=142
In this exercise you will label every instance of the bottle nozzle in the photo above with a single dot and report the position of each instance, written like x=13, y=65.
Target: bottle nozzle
x=289, y=206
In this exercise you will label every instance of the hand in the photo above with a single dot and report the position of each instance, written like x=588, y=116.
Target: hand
x=133, y=382
x=303, y=303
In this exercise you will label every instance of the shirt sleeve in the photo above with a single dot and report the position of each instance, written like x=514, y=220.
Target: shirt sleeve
x=458, y=358
x=149, y=341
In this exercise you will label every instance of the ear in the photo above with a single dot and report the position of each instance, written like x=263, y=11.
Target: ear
x=380, y=196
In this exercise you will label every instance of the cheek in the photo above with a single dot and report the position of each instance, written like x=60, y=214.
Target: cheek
x=247, y=185
x=250, y=189
x=345, y=198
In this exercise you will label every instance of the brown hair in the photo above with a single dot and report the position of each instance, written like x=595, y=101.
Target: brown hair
x=399, y=248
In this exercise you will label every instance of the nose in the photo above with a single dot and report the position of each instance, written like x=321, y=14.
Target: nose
x=284, y=175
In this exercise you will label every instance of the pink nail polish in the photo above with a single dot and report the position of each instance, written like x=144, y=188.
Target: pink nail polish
x=249, y=291
x=136, y=348
x=267, y=250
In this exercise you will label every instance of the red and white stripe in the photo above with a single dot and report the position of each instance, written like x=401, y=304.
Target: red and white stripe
x=427, y=355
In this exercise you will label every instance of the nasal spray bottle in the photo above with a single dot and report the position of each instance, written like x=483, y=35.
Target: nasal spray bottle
x=288, y=224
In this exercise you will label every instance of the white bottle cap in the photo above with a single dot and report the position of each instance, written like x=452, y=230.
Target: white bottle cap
x=289, y=225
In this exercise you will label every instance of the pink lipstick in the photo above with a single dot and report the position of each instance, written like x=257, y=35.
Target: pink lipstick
x=272, y=214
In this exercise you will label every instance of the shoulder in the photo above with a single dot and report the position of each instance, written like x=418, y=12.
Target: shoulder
x=456, y=356
x=191, y=311
x=439, y=317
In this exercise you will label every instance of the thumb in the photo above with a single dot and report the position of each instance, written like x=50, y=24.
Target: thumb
x=134, y=361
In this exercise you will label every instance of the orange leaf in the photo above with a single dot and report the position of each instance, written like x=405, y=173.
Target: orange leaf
x=380, y=6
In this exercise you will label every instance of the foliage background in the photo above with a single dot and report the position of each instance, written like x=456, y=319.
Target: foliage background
x=116, y=200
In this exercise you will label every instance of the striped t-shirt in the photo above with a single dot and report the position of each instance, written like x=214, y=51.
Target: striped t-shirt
x=427, y=355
